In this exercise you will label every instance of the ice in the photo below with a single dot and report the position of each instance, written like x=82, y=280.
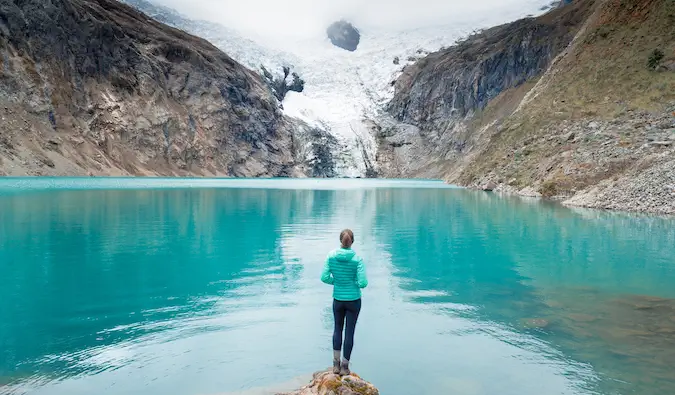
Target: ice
x=344, y=88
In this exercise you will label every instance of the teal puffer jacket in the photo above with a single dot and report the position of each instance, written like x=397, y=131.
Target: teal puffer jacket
x=346, y=272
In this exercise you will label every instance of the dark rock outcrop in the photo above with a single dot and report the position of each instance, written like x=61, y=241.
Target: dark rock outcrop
x=316, y=151
x=280, y=85
x=344, y=35
x=129, y=95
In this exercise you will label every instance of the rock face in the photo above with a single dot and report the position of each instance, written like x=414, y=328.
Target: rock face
x=555, y=106
x=95, y=87
x=344, y=35
x=280, y=84
x=315, y=149
x=440, y=93
x=327, y=383
x=461, y=80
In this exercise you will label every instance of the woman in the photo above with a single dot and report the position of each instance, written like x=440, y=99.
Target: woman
x=346, y=272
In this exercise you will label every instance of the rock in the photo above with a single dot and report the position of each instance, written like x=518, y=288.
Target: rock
x=666, y=143
x=489, y=186
x=397, y=60
x=529, y=191
x=319, y=157
x=280, y=85
x=328, y=383
x=665, y=124
x=48, y=162
x=593, y=125
x=344, y=35
x=569, y=136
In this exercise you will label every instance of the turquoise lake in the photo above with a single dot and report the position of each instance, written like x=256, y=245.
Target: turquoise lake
x=202, y=287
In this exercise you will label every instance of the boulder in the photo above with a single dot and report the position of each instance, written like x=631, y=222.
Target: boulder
x=489, y=186
x=328, y=383
x=344, y=35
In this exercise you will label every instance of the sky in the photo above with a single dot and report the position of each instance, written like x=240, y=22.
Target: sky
x=305, y=18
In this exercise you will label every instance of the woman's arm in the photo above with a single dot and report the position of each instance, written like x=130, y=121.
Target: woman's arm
x=361, y=278
x=326, y=277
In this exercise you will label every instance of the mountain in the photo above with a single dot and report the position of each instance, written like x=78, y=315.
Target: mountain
x=244, y=50
x=96, y=87
x=330, y=148
x=577, y=104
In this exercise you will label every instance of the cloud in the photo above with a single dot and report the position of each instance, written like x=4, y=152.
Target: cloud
x=305, y=18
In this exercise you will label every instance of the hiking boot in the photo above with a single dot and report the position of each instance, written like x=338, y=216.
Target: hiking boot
x=344, y=369
x=336, y=366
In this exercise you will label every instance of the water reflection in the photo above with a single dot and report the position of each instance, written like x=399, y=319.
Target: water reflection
x=203, y=291
x=82, y=270
x=573, y=280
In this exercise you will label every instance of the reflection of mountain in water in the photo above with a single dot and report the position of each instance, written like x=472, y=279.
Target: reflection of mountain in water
x=549, y=271
x=147, y=240
x=106, y=272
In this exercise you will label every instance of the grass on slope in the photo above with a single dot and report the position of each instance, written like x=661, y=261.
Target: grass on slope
x=605, y=74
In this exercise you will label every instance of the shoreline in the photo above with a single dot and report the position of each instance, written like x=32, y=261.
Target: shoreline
x=586, y=199
x=581, y=200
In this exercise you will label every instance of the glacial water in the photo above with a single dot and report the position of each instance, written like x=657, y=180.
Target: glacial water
x=200, y=287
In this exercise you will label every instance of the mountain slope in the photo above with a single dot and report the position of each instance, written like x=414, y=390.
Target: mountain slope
x=95, y=87
x=595, y=126
x=442, y=93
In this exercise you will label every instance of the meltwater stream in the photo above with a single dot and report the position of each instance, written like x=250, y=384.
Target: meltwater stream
x=200, y=287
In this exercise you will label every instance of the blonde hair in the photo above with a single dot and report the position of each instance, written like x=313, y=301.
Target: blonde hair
x=347, y=238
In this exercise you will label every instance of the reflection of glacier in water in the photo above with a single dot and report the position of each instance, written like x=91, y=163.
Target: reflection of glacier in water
x=343, y=88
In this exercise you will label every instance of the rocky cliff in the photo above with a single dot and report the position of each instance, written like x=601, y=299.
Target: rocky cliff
x=575, y=104
x=96, y=87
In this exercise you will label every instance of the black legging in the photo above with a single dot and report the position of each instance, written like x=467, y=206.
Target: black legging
x=341, y=310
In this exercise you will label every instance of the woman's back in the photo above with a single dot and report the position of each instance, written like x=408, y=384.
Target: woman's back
x=345, y=270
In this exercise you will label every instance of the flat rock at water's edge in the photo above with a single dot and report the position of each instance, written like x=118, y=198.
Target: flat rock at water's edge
x=328, y=383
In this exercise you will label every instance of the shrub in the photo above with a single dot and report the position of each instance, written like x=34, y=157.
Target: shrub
x=655, y=59
x=548, y=189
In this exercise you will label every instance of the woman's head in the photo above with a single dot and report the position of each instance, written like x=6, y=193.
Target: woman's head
x=346, y=238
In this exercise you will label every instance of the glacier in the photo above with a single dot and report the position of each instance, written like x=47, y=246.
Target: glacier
x=343, y=90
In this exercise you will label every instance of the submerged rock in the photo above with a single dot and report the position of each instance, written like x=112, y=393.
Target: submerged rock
x=328, y=383
x=535, y=323
x=344, y=35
